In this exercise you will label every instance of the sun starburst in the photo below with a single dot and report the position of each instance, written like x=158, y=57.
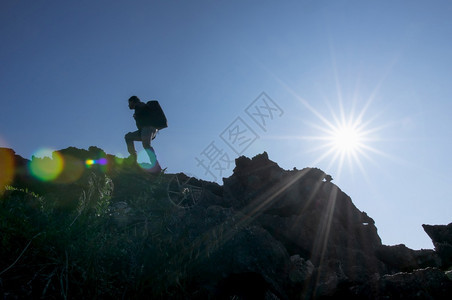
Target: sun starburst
x=347, y=139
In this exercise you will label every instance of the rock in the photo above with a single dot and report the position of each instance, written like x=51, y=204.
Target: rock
x=329, y=276
x=401, y=258
x=267, y=233
x=232, y=248
x=441, y=236
x=300, y=269
x=449, y=274
x=428, y=283
x=434, y=283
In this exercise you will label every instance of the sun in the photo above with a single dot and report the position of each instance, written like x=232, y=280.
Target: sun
x=342, y=133
x=347, y=139
x=344, y=139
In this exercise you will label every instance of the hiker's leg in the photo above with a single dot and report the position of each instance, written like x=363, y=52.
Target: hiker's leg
x=147, y=134
x=130, y=138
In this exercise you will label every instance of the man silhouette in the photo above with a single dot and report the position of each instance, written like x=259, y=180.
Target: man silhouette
x=146, y=133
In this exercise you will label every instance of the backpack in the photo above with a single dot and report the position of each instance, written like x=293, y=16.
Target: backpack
x=157, y=115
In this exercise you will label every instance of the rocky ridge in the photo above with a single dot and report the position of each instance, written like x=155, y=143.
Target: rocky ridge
x=266, y=233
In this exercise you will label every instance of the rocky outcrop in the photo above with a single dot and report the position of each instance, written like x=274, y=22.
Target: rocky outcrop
x=428, y=283
x=441, y=236
x=266, y=233
x=400, y=258
x=311, y=217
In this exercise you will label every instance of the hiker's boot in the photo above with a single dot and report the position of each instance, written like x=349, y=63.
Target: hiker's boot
x=156, y=169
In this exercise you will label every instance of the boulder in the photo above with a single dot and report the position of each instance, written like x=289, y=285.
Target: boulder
x=429, y=283
x=441, y=236
x=399, y=258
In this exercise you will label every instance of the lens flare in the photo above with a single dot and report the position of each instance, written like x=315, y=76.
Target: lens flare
x=119, y=158
x=101, y=161
x=142, y=156
x=146, y=159
x=7, y=168
x=45, y=168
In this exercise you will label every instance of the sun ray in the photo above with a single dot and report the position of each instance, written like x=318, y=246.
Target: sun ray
x=323, y=156
x=346, y=138
x=347, y=134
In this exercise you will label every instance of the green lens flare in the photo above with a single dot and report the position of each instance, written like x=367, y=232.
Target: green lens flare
x=45, y=168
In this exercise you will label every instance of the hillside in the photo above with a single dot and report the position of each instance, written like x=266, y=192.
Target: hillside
x=100, y=227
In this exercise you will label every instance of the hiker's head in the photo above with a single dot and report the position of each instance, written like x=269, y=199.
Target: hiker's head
x=133, y=101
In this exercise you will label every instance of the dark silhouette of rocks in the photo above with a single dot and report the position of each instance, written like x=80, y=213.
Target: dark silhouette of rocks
x=441, y=236
x=266, y=233
x=401, y=258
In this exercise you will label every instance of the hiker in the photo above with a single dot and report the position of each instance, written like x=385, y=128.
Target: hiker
x=147, y=129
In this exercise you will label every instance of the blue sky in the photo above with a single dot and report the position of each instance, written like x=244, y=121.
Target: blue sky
x=68, y=68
